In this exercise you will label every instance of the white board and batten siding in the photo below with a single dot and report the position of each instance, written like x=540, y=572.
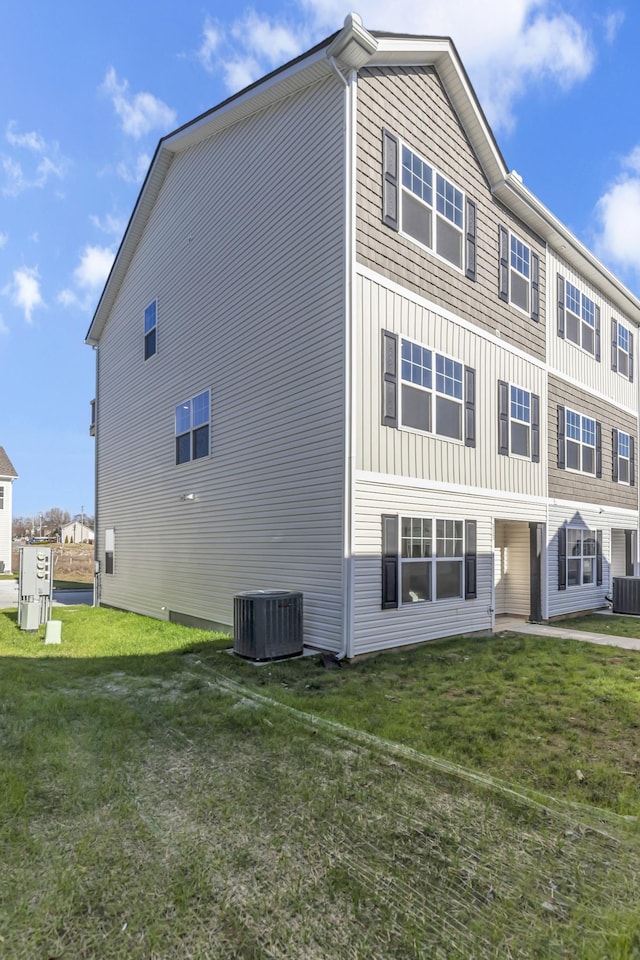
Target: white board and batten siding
x=6, y=491
x=376, y=629
x=249, y=311
x=384, y=306
x=585, y=517
x=571, y=361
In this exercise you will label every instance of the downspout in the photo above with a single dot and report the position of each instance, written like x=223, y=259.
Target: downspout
x=346, y=650
x=96, y=574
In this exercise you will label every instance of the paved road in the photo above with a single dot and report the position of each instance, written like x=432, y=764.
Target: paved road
x=9, y=595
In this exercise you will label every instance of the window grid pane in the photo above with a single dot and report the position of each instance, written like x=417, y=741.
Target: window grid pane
x=588, y=311
x=623, y=338
x=449, y=201
x=416, y=364
x=520, y=255
x=572, y=297
x=589, y=431
x=573, y=425
x=448, y=377
x=417, y=176
x=150, y=317
x=520, y=405
x=623, y=445
x=200, y=409
x=183, y=417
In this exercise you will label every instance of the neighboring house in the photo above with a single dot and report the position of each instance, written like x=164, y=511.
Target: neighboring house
x=7, y=476
x=76, y=532
x=344, y=350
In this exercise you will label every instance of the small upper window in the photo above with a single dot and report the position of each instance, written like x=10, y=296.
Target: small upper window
x=520, y=274
x=624, y=457
x=1, y=498
x=192, y=428
x=438, y=226
x=580, y=318
x=151, y=329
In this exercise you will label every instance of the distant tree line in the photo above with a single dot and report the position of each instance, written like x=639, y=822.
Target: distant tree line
x=47, y=523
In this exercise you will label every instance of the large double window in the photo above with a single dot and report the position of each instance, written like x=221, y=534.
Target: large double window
x=192, y=428
x=432, y=391
x=432, y=208
x=431, y=559
x=427, y=559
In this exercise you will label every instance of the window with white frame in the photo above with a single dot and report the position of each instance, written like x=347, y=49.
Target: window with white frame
x=580, y=438
x=109, y=549
x=1, y=497
x=624, y=349
x=431, y=568
x=432, y=391
x=520, y=422
x=519, y=274
x=624, y=457
x=580, y=318
x=192, y=428
x=581, y=557
x=432, y=208
x=151, y=329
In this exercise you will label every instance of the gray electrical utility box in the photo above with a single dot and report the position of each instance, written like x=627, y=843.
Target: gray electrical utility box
x=267, y=624
x=35, y=586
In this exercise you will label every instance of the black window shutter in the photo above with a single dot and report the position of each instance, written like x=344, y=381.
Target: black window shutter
x=389, y=379
x=614, y=455
x=562, y=558
x=471, y=240
x=561, y=306
x=614, y=344
x=632, y=462
x=503, y=270
x=561, y=452
x=630, y=357
x=470, y=560
x=598, y=558
x=469, y=407
x=598, y=449
x=390, y=180
x=535, y=287
x=598, y=333
x=389, y=561
x=535, y=428
x=503, y=418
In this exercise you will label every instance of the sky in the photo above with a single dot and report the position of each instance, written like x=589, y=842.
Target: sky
x=87, y=90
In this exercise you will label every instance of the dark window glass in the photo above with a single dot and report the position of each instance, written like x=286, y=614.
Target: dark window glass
x=448, y=418
x=448, y=579
x=416, y=219
x=416, y=408
x=150, y=344
x=183, y=448
x=416, y=581
x=449, y=242
x=201, y=442
x=573, y=455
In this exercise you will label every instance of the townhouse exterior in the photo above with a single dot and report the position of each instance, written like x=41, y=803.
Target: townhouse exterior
x=7, y=476
x=344, y=350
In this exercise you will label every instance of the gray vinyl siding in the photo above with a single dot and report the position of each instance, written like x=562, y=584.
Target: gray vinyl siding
x=567, y=359
x=571, y=485
x=618, y=554
x=376, y=629
x=403, y=452
x=248, y=310
x=5, y=524
x=588, y=596
x=412, y=104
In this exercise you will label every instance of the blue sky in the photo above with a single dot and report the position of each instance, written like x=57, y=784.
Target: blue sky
x=87, y=91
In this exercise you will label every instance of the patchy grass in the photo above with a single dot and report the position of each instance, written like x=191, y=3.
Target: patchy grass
x=161, y=799
x=613, y=624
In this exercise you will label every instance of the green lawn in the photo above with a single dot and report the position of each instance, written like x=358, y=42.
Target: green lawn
x=161, y=799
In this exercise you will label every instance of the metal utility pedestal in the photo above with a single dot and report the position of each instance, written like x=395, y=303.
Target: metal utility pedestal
x=35, y=585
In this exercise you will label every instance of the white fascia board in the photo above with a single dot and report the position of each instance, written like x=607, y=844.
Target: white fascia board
x=518, y=198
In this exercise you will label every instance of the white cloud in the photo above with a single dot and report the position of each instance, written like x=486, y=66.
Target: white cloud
x=211, y=39
x=88, y=277
x=49, y=163
x=612, y=23
x=617, y=238
x=24, y=291
x=139, y=113
x=136, y=171
x=507, y=45
x=110, y=224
